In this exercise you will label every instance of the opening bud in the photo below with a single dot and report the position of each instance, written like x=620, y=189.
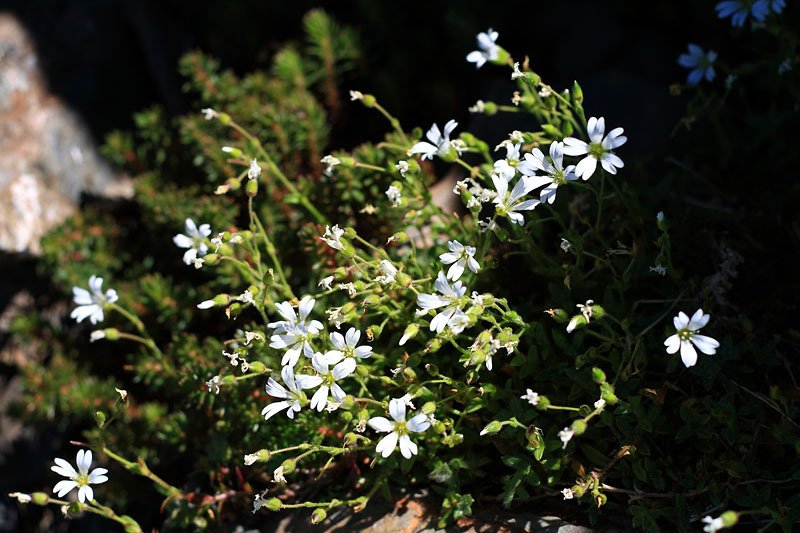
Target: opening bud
x=318, y=516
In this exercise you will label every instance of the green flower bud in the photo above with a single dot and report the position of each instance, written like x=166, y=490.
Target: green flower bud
x=577, y=94
x=598, y=375
x=347, y=250
x=289, y=466
x=233, y=151
x=350, y=439
x=318, y=516
x=370, y=300
x=229, y=379
x=513, y=316
x=400, y=237
x=257, y=367
x=100, y=417
x=403, y=279
x=439, y=427
x=362, y=371
x=432, y=369
x=224, y=118
x=433, y=345
x=559, y=315
x=543, y=403
x=348, y=308
x=251, y=188
x=409, y=333
x=579, y=427
x=409, y=373
x=729, y=518
x=340, y=273
x=273, y=504
x=578, y=490
x=489, y=108
x=598, y=311
x=492, y=428
x=429, y=407
x=221, y=300
x=40, y=498
x=348, y=162
x=348, y=401
x=263, y=455
x=211, y=259
x=112, y=334
x=369, y=100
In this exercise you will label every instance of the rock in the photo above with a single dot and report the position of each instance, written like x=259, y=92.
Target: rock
x=47, y=156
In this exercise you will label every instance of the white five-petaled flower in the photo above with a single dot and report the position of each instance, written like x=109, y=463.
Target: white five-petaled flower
x=555, y=171
x=214, y=384
x=450, y=297
x=194, y=240
x=346, y=349
x=567, y=493
x=209, y=113
x=566, y=435
x=712, y=525
x=330, y=161
x=254, y=171
x=458, y=258
x=293, y=395
x=439, y=143
x=509, y=203
x=394, y=195
x=686, y=336
x=597, y=150
x=91, y=304
x=402, y=167
x=488, y=48
x=700, y=63
x=332, y=237
x=531, y=397
x=329, y=376
x=80, y=478
x=398, y=429
x=294, y=332
x=507, y=168
x=388, y=272
x=325, y=282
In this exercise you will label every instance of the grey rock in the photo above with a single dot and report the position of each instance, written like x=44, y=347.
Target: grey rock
x=47, y=156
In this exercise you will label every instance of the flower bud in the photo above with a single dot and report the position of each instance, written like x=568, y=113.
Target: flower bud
x=492, y=428
x=439, y=427
x=350, y=439
x=513, y=316
x=577, y=94
x=607, y=393
x=273, y=504
x=559, y=315
x=347, y=249
x=409, y=373
x=729, y=518
x=598, y=375
x=577, y=321
x=232, y=151
x=211, y=259
x=433, y=345
x=40, y=498
x=489, y=108
x=579, y=427
x=348, y=162
x=100, y=417
x=543, y=403
x=289, y=466
x=369, y=100
x=229, y=379
x=224, y=118
x=318, y=516
x=112, y=334
x=578, y=490
x=401, y=237
x=362, y=371
x=410, y=332
x=257, y=367
x=348, y=401
x=429, y=407
x=598, y=311
x=432, y=369
x=251, y=188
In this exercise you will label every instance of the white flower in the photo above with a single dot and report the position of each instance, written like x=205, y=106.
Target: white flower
x=487, y=225
x=294, y=332
x=246, y=297
x=712, y=525
x=329, y=378
x=555, y=172
x=293, y=395
x=356, y=95
x=531, y=397
x=439, y=143
x=21, y=497
x=213, y=384
x=388, y=272
x=346, y=349
x=330, y=161
x=398, y=429
x=258, y=503
x=402, y=167
x=686, y=336
x=97, y=334
x=517, y=72
x=660, y=216
x=209, y=113
x=250, y=336
x=507, y=168
x=659, y=269
x=325, y=283
x=194, y=240
x=566, y=435
x=349, y=287
x=509, y=203
x=479, y=107
x=458, y=257
x=785, y=66
x=254, y=171
x=406, y=398
x=488, y=49
x=206, y=304
x=250, y=458
x=598, y=150
x=458, y=323
x=450, y=297
x=91, y=304
x=394, y=195
x=335, y=316
x=568, y=494
x=277, y=475
x=80, y=478
x=565, y=245
x=332, y=236
x=545, y=91
x=700, y=63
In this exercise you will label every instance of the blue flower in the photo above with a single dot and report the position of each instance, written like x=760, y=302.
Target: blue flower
x=736, y=9
x=701, y=63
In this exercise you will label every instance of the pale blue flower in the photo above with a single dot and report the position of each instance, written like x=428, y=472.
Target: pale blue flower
x=700, y=63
